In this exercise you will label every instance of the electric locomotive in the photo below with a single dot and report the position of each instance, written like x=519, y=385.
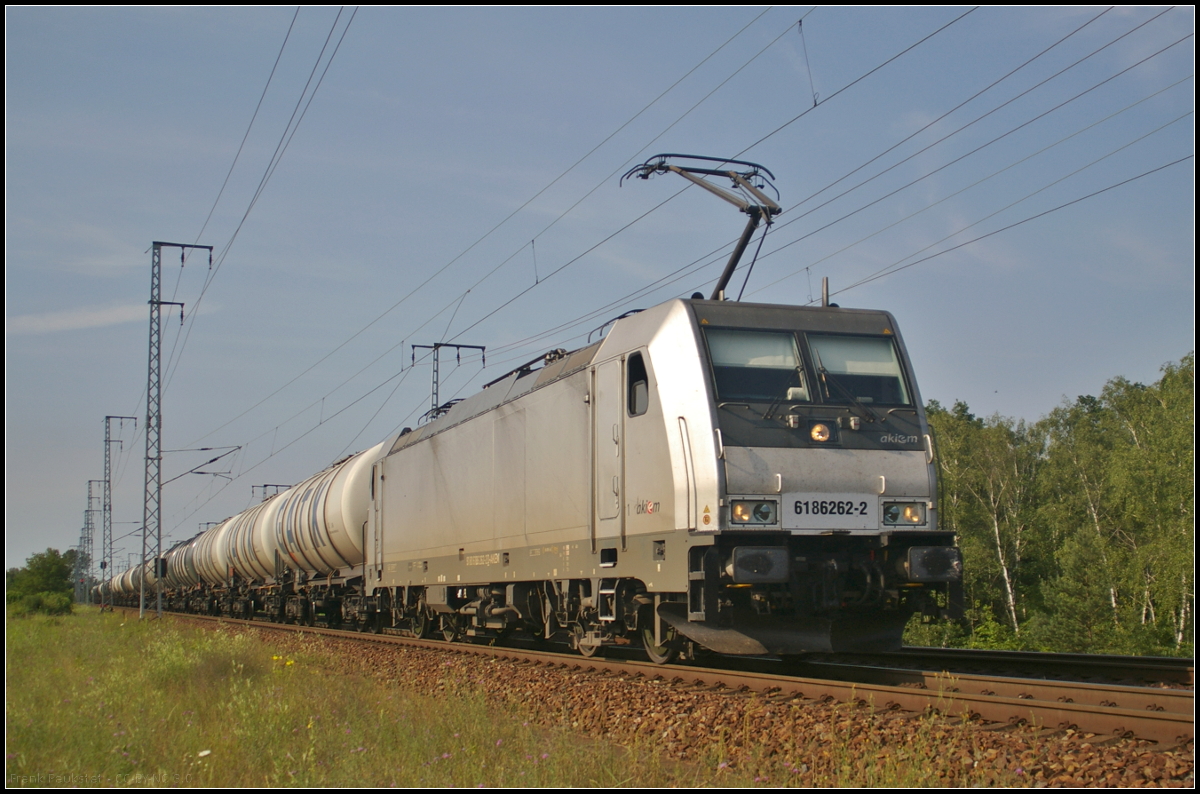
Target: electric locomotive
x=745, y=478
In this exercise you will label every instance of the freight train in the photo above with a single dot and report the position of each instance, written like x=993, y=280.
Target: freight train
x=742, y=478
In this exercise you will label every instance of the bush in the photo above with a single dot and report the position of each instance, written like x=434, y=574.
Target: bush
x=41, y=603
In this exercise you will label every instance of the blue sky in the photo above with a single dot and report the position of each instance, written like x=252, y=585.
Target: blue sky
x=476, y=152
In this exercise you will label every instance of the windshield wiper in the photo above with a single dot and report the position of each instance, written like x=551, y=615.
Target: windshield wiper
x=869, y=415
x=782, y=397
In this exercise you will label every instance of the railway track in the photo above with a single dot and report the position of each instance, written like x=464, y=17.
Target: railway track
x=1154, y=713
x=1135, y=670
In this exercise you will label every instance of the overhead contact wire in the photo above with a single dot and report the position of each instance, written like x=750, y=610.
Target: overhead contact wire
x=1093, y=194
x=411, y=293
x=978, y=182
x=280, y=149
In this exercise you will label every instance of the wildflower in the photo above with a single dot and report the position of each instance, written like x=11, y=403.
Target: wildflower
x=204, y=753
x=499, y=742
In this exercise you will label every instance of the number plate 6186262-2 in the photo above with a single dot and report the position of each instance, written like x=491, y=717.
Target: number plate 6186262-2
x=831, y=511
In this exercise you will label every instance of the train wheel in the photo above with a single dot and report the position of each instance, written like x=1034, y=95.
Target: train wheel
x=421, y=626
x=660, y=654
x=451, y=627
x=588, y=651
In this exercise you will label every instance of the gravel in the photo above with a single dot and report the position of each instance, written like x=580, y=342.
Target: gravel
x=781, y=740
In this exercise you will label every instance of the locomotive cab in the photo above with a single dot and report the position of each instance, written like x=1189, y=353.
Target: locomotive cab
x=827, y=538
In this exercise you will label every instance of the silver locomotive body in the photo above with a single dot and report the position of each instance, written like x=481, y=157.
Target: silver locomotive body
x=749, y=478
x=744, y=478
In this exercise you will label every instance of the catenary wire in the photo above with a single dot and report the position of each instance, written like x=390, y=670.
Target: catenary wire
x=411, y=293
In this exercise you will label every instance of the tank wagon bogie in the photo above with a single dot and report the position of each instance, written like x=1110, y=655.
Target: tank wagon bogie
x=742, y=478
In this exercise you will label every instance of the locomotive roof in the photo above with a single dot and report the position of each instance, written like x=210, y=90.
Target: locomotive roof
x=510, y=388
x=705, y=312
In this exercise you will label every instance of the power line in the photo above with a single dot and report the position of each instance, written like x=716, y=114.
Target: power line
x=488, y=233
x=883, y=274
x=969, y=99
x=250, y=126
x=977, y=119
x=978, y=182
x=856, y=81
x=281, y=147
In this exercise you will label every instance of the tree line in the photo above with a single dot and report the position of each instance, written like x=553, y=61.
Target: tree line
x=1078, y=530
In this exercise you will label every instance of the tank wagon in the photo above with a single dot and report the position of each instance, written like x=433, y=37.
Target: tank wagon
x=745, y=478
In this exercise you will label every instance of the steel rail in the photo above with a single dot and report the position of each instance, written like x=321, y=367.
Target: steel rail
x=1164, y=716
x=1151, y=669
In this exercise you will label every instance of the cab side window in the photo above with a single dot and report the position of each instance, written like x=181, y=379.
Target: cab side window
x=638, y=398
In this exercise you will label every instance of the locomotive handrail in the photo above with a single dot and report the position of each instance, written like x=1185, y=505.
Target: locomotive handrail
x=557, y=354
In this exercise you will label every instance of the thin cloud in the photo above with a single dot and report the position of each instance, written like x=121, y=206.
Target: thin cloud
x=74, y=319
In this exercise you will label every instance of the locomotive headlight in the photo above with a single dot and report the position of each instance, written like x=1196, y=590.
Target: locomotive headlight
x=904, y=514
x=820, y=432
x=760, y=513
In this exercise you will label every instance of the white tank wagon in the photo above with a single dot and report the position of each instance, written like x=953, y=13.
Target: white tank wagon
x=320, y=524
x=128, y=582
x=289, y=557
x=181, y=564
x=211, y=558
x=236, y=549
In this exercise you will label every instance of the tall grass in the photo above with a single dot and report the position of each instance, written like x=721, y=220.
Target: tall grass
x=98, y=699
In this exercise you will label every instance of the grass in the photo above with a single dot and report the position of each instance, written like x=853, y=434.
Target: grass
x=98, y=699
x=103, y=700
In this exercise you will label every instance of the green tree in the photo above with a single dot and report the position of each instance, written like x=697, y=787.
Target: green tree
x=988, y=472
x=1078, y=504
x=46, y=572
x=1078, y=533
x=1153, y=478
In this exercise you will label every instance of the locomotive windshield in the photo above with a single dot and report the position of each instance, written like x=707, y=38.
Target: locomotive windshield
x=860, y=369
x=757, y=366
